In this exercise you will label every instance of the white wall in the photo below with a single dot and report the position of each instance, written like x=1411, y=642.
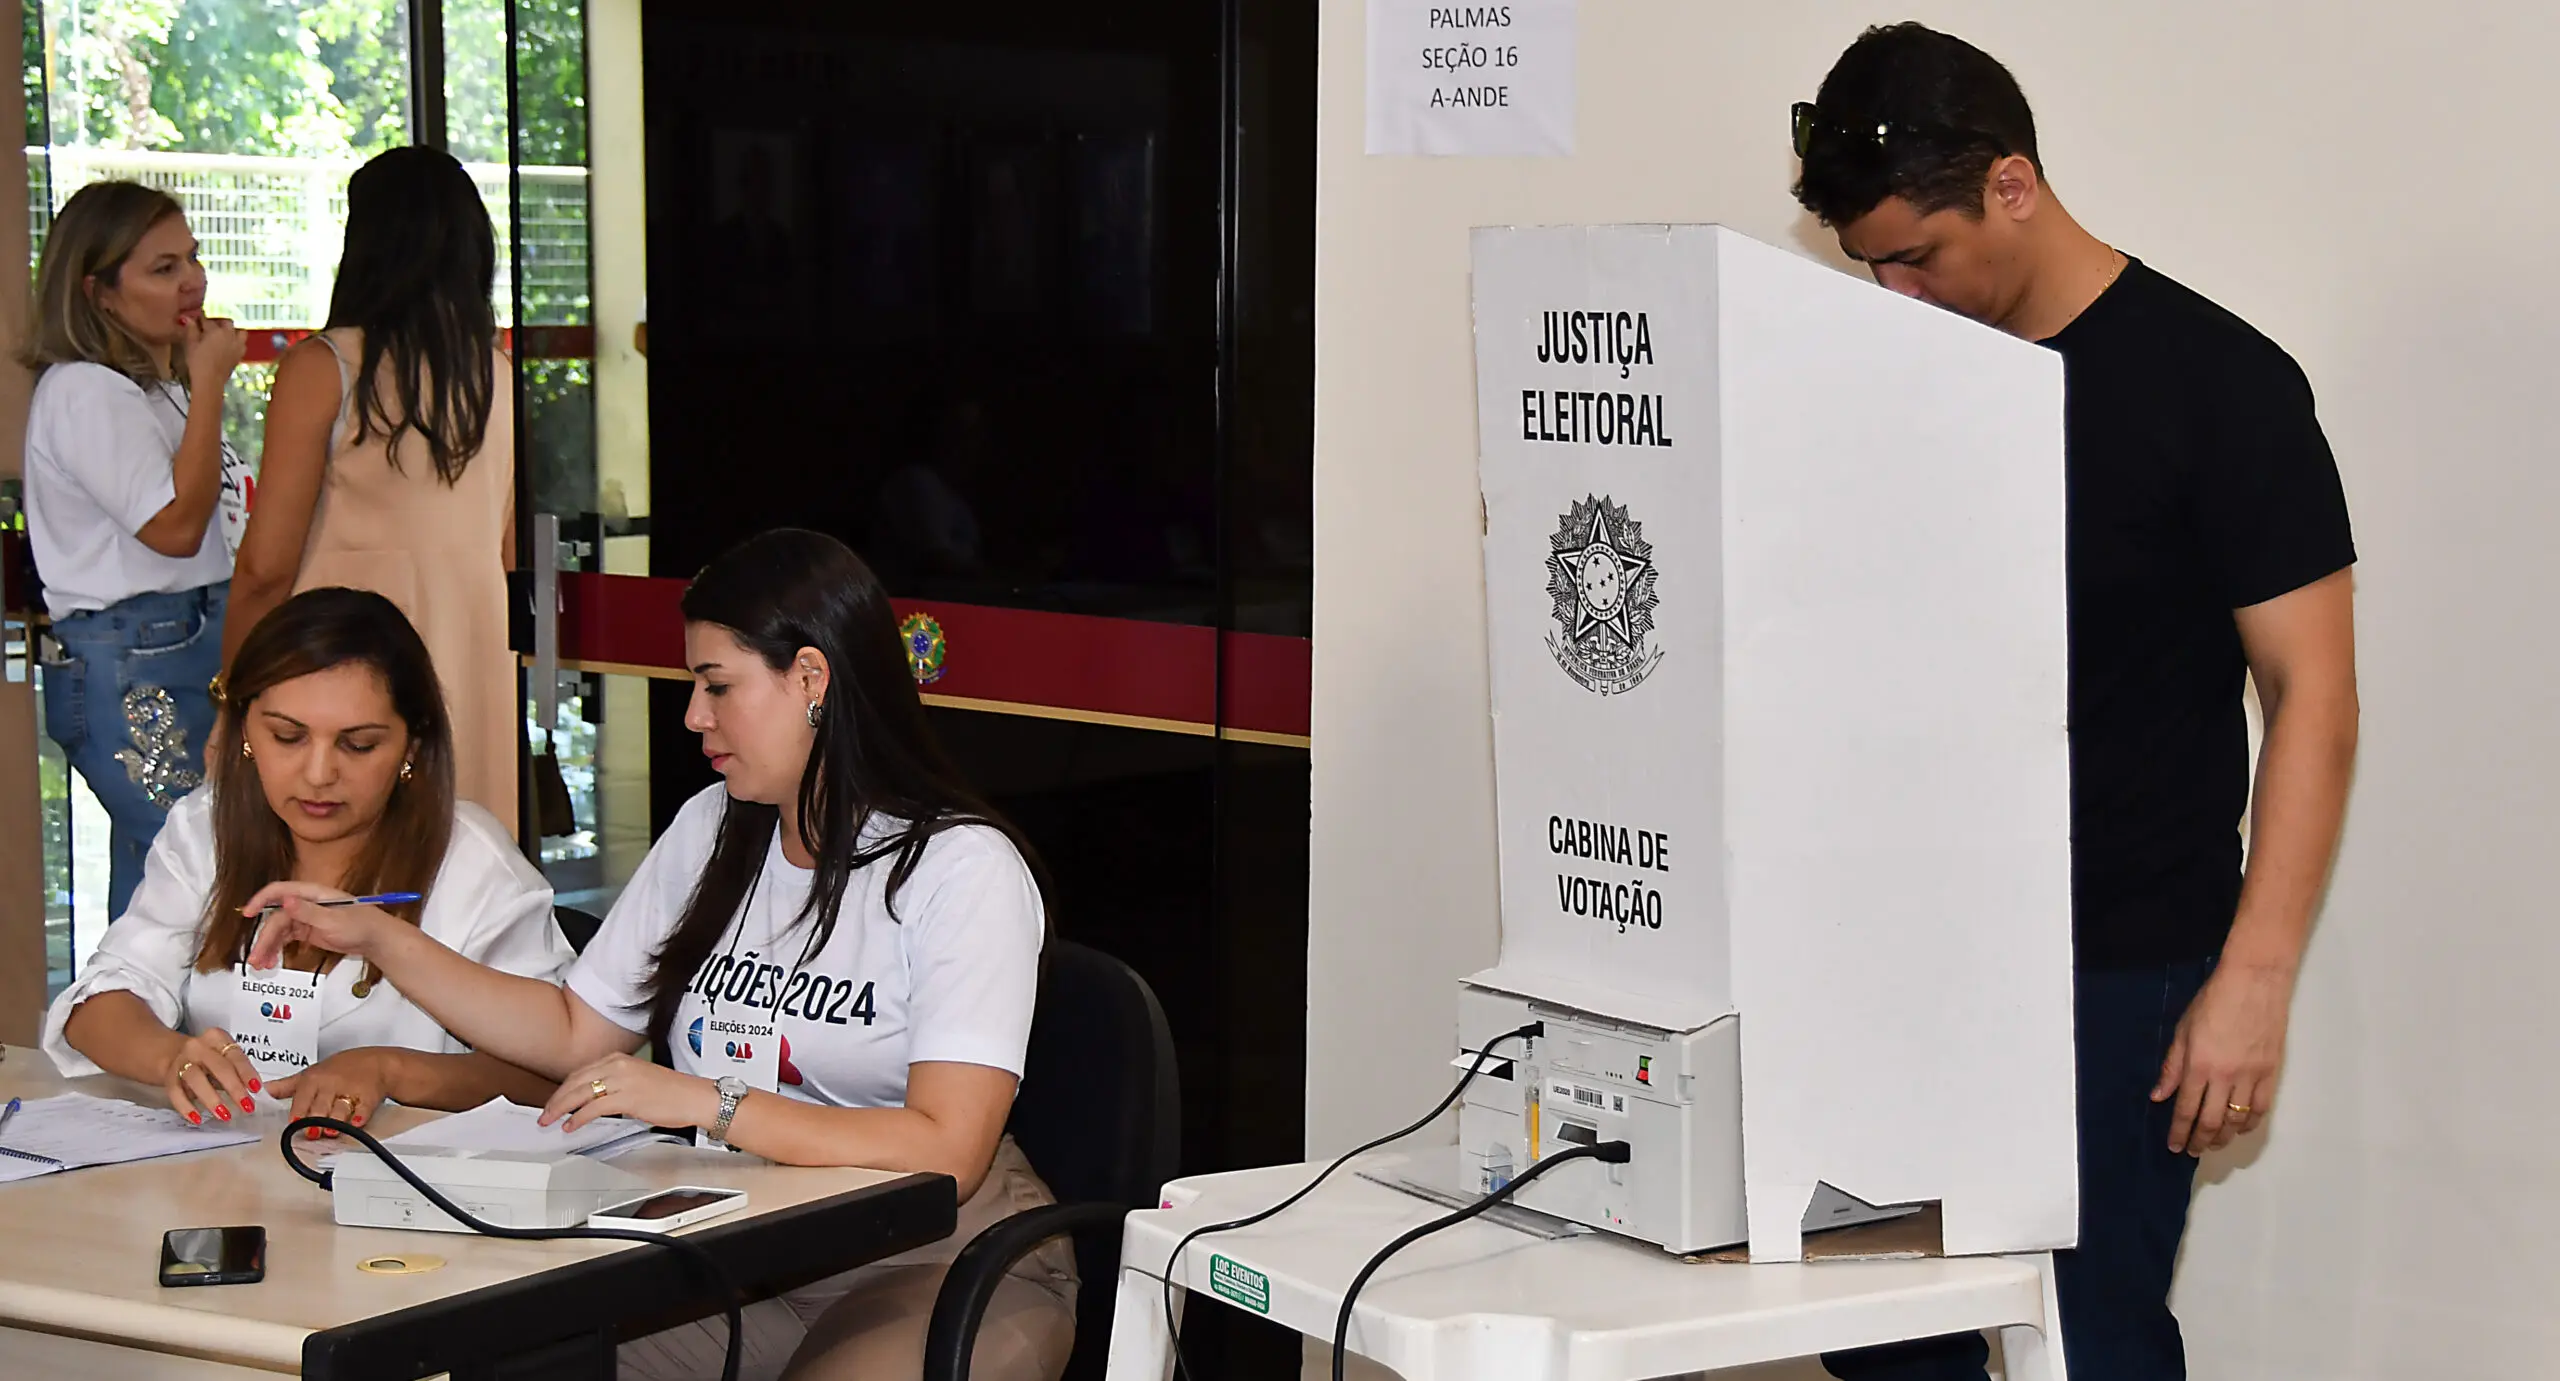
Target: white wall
x=2370, y=184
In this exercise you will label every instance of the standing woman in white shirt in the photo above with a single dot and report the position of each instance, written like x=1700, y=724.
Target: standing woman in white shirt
x=337, y=770
x=839, y=947
x=134, y=502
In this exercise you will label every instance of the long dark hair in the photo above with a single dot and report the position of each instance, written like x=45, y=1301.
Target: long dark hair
x=419, y=264
x=310, y=633
x=875, y=754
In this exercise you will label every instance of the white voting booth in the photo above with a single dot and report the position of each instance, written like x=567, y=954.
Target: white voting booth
x=1774, y=577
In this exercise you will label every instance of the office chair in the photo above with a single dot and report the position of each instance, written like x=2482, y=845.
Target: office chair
x=1099, y=1115
x=577, y=927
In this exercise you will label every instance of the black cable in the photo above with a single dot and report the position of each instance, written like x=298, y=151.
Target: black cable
x=1182, y=1368
x=691, y=1250
x=1611, y=1152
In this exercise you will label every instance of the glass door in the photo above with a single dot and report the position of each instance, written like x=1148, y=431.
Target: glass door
x=251, y=115
x=524, y=82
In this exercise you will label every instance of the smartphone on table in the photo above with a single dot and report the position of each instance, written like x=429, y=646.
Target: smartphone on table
x=213, y=1256
x=669, y=1208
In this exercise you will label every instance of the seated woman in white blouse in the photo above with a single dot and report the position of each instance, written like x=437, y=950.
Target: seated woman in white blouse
x=839, y=948
x=342, y=777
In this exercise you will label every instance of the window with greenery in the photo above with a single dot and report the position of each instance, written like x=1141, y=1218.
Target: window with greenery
x=253, y=113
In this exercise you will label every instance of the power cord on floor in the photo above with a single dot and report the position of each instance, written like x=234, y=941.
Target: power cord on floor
x=1609, y=1152
x=1182, y=1367
x=692, y=1251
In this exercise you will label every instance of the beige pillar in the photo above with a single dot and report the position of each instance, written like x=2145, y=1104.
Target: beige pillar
x=617, y=221
x=617, y=229
x=22, y=963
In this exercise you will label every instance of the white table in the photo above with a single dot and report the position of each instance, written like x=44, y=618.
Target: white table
x=1482, y=1302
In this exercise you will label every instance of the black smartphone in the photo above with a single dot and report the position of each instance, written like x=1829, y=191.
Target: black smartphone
x=213, y=1256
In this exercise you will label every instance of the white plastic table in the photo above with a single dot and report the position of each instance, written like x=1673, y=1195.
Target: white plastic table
x=1482, y=1302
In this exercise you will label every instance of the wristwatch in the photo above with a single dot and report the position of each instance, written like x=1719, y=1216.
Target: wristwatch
x=732, y=1088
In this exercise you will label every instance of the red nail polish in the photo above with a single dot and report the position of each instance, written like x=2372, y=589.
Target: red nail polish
x=357, y=1120
x=196, y=1118
x=311, y=1134
x=244, y=1105
x=256, y=1087
x=222, y=1112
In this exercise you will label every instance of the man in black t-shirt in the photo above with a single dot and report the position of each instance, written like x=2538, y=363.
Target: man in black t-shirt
x=2207, y=541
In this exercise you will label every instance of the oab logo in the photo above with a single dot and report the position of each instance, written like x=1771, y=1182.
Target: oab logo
x=1600, y=573
x=276, y=1011
x=742, y=1050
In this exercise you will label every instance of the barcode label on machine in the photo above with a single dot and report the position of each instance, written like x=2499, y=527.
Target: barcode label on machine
x=1580, y=1096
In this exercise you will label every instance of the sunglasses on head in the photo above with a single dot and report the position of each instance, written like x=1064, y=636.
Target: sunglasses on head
x=1809, y=120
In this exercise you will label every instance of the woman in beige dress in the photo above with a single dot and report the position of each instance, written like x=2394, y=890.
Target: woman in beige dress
x=390, y=453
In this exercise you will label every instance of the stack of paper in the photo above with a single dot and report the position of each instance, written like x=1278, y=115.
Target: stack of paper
x=72, y=1130
x=499, y=1125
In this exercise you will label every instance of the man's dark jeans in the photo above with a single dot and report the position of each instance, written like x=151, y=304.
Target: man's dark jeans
x=2116, y=1324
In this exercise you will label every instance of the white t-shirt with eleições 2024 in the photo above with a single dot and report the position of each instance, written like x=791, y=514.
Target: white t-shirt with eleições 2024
x=950, y=978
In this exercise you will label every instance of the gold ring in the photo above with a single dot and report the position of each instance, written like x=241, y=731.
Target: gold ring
x=2238, y=1109
x=228, y=1048
x=182, y=1070
x=598, y=1089
x=342, y=1098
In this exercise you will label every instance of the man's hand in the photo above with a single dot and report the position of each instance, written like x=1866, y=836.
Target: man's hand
x=2223, y=1064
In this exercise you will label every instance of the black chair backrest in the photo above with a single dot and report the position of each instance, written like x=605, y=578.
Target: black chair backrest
x=577, y=927
x=1099, y=1113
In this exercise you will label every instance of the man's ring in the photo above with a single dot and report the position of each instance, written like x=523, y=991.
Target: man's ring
x=2238, y=1109
x=597, y=1088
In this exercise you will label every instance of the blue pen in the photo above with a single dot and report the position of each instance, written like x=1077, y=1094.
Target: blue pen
x=378, y=899
x=8, y=1112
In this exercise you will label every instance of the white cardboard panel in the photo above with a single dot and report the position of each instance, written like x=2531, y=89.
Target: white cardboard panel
x=1659, y=497
x=1898, y=777
x=1850, y=722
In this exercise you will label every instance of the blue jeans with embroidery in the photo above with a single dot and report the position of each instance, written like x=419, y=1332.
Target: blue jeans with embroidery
x=130, y=702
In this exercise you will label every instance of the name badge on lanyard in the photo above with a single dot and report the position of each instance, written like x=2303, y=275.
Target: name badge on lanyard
x=745, y=1044
x=735, y=1033
x=276, y=1018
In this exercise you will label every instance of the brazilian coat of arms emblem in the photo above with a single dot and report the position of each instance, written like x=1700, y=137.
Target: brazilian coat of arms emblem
x=1601, y=573
x=922, y=636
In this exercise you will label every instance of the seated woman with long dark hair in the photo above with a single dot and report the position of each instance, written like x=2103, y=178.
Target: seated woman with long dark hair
x=337, y=773
x=838, y=947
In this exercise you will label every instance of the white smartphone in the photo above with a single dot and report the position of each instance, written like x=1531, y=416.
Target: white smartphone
x=669, y=1208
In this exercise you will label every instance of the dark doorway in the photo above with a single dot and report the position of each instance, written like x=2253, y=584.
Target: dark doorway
x=1017, y=299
